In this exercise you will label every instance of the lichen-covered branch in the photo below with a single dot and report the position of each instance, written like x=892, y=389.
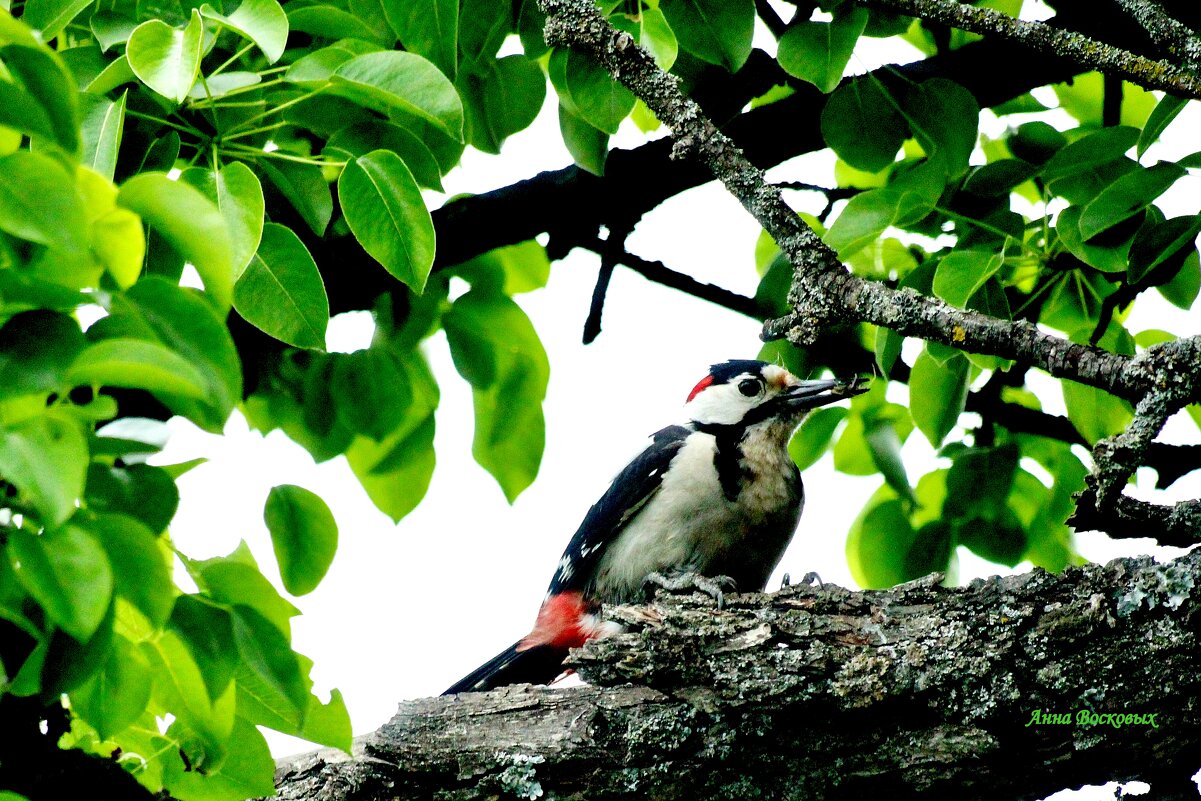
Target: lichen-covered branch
x=1083, y=677
x=1045, y=38
x=1167, y=32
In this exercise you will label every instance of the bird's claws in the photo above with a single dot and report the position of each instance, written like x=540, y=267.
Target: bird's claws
x=713, y=586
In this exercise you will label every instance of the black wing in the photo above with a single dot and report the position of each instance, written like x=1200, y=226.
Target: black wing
x=632, y=488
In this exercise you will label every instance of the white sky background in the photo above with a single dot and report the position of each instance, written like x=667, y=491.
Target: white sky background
x=407, y=609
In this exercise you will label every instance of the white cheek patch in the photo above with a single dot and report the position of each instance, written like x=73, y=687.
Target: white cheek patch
x=721, y=404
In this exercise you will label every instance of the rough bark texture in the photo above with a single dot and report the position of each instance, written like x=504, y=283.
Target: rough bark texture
x=1082, y=49
x=827, y=693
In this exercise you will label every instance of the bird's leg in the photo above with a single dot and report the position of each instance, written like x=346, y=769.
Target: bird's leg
x=713, y=586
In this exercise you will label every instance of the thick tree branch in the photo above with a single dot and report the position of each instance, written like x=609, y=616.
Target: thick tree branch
x=1045, y=38
x=827, y=693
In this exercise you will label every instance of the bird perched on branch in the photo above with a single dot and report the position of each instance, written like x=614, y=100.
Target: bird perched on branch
x=709, y=504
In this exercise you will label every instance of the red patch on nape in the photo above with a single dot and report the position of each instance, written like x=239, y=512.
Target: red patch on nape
x=559, y=623
x=702, y=384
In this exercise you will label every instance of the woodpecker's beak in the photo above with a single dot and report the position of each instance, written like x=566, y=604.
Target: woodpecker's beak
x=812, y=394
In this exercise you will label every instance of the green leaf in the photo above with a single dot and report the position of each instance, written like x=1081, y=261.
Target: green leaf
x=268, y=654
x=907, y=199
x=511, y=270
x=429, y=28
x=812, y=439
x=1035, y=142
x=305, y=187
x=390, y=81
x=1108, y=257
x=281, y=291
x=818, y=52
x=1093, y=150
x=167, y=59
x=1182, y=290
x=325, y=724
x=139, y=490
x=937, y=394
x=588, y=89
x=141, y=562
x=38, y=202
x=247, y=772
x=137, y=364
x=371, y=391
x=190, y=222
x=1156, y=243
x=396, y=471
x=999, y=178
x=236, y=580
x=207, y=630
x=102, y=123
x=717, y=31
x=884, y=444
x=361, y=138
x=47, y=79
x=655, y=35
x=862, y=124
x=312, y=71
x=962, y=272
x=1095, y=413
x=35, y=349
x=1165, y=111
x=877, y=543
x=304, y=535
x=51, y=16
x=386, y=213
x=239, y=197
x=111, y=28
x=203, y=723
x=510, y=431
x=45, y=457
x=1127, y=196
x=185, y=321
x=261, y=21
x=587, y=145
x=118, y=693
x=483, y=26
x=945, y=118
x=979, y=482
x=67, y=572
x=330, y=22
x=501, y=100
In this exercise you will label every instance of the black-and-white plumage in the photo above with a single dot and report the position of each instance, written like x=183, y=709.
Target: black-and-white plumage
x=717, y=496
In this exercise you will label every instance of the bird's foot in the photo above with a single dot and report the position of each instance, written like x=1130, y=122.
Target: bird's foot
x=713, y=586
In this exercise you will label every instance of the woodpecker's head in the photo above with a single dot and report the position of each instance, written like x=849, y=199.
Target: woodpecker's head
x=745, y=392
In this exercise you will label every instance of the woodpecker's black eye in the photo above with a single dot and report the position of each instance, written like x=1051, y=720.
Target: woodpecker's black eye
x=750, y=387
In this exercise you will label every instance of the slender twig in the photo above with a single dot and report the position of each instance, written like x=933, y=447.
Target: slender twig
x=1048, y=39
x=660, y=273
x=610, y=252
x=770, y=18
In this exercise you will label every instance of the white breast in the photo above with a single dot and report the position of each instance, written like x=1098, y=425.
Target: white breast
x=689, y=524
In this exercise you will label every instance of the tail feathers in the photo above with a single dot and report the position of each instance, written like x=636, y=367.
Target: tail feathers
x=540, y=664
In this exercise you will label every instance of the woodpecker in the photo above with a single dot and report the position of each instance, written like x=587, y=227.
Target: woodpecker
x=711, y=502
